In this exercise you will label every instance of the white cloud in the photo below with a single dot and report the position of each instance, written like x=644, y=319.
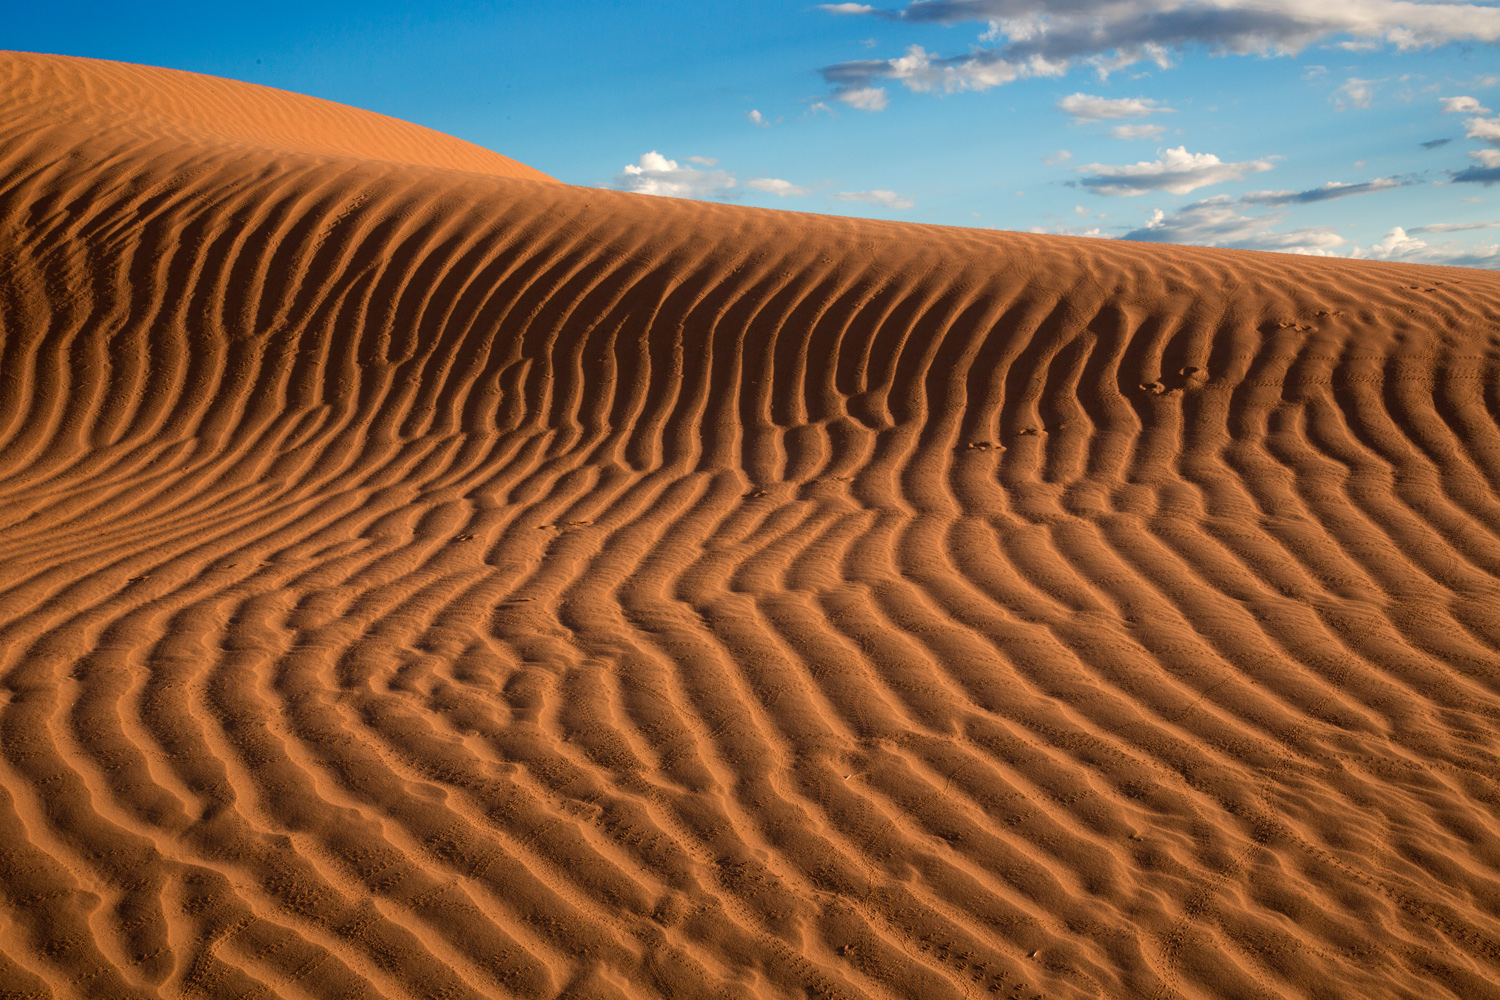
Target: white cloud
x=1058, y=158
x=886, y=199
x=780, y=188
x=1354, y=93
x=1399, y=245
x=847, y=8
x=918, y=70
x=1454, y=227
x=657, y=175
x=1396, y=241
x=1137, y=131
x=1093, y=232
x=865, y=98
x=1462, y=106
x=1328, y=192
x=1483, y=129
x=1178, y=171
x=1086, y=108
x=756, y=118
x=1486, y=173
x=1214, y=222
x=1047, y=37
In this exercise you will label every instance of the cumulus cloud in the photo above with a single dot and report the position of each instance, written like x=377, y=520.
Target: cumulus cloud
x=1329, y=191
x=655, y=174
x=847, y=8
x=1487, y=173
x=780, y=188
x=1483, y=129
x=886, y=199
x=1214, y=222
x=1177, y=171
x=1137, y=131
x=756, y=118
x=1400, y=245
x=1087, y=108
x=1048, y=37
x=1463, y=106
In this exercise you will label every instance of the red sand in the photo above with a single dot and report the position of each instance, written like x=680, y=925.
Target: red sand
x=419, y=578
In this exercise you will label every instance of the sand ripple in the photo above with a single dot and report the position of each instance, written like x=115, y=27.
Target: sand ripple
x=418, y=583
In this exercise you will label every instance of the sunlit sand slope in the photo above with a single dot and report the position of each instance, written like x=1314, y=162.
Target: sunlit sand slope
x=417, y=583
x=140, y=110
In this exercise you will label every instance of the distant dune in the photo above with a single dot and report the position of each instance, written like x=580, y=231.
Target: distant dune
x=423, y=579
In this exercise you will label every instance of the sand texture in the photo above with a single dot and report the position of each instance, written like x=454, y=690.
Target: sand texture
x=423, y=579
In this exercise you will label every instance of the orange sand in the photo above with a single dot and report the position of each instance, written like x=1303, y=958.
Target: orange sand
x=419, y=578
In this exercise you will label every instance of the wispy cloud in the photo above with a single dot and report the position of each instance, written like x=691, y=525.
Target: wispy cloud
x=758, y=119
x=1217, y=222
x=1088, y=108
x=780, y=188
x=1214, y=222
x=1454, y=227
x=1328, y=192
x=883, y=198
x=1177, y=171
x=855, y=83
x=1435, y=143
x=1354, y=93
x=1048, y=37
x=864, y=98
x=1137, y=131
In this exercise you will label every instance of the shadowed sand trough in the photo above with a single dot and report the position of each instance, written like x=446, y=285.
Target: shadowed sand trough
x=419, y=578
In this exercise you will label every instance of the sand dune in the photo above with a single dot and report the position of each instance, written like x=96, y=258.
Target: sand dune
x=419, y=578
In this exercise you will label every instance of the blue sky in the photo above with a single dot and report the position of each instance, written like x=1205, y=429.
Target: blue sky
x=1353, y=127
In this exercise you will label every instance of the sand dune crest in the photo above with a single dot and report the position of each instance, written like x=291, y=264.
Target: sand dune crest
x=419, y=583
x=95, y=104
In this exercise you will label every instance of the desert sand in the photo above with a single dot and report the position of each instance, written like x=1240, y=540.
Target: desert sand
x=423, y=579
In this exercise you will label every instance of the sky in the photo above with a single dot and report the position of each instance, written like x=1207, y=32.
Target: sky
x=1359, y=128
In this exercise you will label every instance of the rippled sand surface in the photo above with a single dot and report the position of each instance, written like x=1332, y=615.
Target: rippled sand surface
x=423, y=579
